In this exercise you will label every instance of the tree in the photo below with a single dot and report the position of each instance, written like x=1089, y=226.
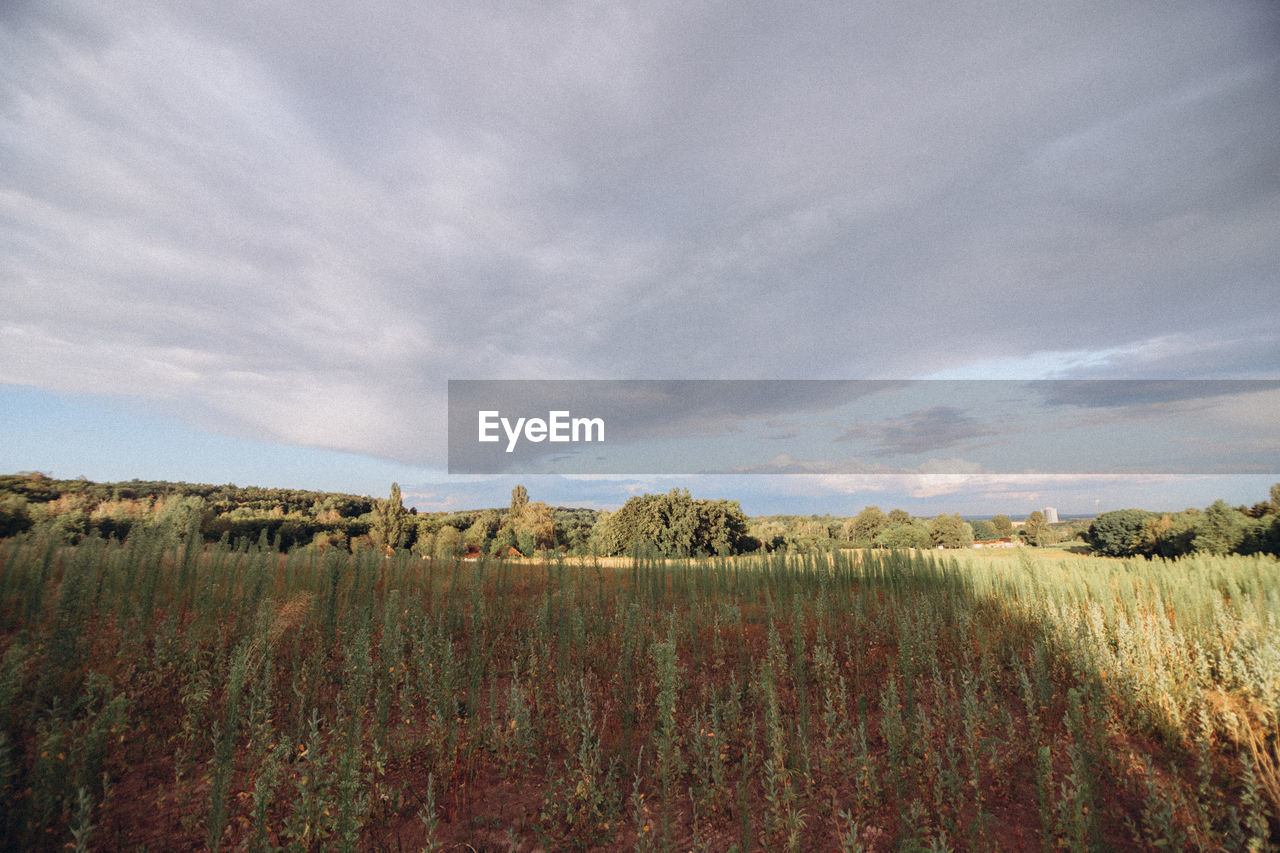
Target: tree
x=519, y=500
x=913, y=534
x=476, y=537
x=950, y=531
x=536, y=527
x=573, y=528
x=1271, y=537
x=868, y=524
x=1260, y=509
x=1003, y=525
x=722, y=528
x=14, y=516
x=482, y=530
x=604, y=538
x=1036, y=530
x=185, y=516
x=503, y=542
x=424, y=545
x=70, y=527
x=813, y=528
x=1156, y=531
x=528, y=527
x=390, y=521
x=1119, y=533
x=674, y=524
x=448, y=543
x=983, y=531
x=771, y=535
x=1168, y=535
x=577, y=541
x=899, y=516
x=1221, y=529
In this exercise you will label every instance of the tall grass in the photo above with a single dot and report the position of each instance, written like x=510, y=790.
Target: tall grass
x=155, y=693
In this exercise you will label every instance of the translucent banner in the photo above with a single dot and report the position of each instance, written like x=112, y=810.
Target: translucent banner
x=863, y=427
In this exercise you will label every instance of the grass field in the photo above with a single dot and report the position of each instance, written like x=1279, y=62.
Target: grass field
x=179, y=697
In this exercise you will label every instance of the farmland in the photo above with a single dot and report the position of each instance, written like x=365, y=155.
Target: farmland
x=172, y=694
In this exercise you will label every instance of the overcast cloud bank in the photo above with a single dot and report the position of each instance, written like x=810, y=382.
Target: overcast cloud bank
x=293, y=222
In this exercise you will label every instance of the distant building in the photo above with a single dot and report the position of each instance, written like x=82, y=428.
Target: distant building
x=1051, y=515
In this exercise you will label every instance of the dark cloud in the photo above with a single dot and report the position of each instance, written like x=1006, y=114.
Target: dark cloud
x=921, y=431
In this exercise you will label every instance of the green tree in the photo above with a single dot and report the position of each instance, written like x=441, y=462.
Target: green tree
x=448, y=544
x=1221, y=529
x=1259, y=509
x=868, y=524
x=536, y=528
x=813, y=528
x=573, y=528
x=604, y=535
x=1003, y=526
x=772, y=535
x=913, y=534
x=1119, y=533
x=482, y=530
x=950, y=531
x=1168, y=535
x=185, y=516
x=983, y=531
x=675, y=525
x=899, y=516
x=1036, y=531
x=519, y=500
x=722, y=528
x=424, y=544
x=14, y=516
x=1271, y=537
x=525, y=543
x=503, y=541
x=70, y=527
x=476, y=537
x=390, y=525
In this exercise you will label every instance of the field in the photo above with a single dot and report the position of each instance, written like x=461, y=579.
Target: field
x=176, y=696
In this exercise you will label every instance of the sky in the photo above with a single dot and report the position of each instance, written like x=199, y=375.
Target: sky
x=252, y=242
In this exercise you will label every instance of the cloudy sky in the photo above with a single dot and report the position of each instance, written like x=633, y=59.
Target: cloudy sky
x=251, y=242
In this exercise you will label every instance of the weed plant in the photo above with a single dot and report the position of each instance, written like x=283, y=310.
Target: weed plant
x=165, y=694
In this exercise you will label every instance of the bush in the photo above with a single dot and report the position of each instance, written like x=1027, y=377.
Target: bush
x=1120, y=533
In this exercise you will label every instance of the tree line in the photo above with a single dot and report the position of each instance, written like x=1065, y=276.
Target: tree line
x=670, y=524
x=71, y=510
x=1218, y=529
x=875, y=528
